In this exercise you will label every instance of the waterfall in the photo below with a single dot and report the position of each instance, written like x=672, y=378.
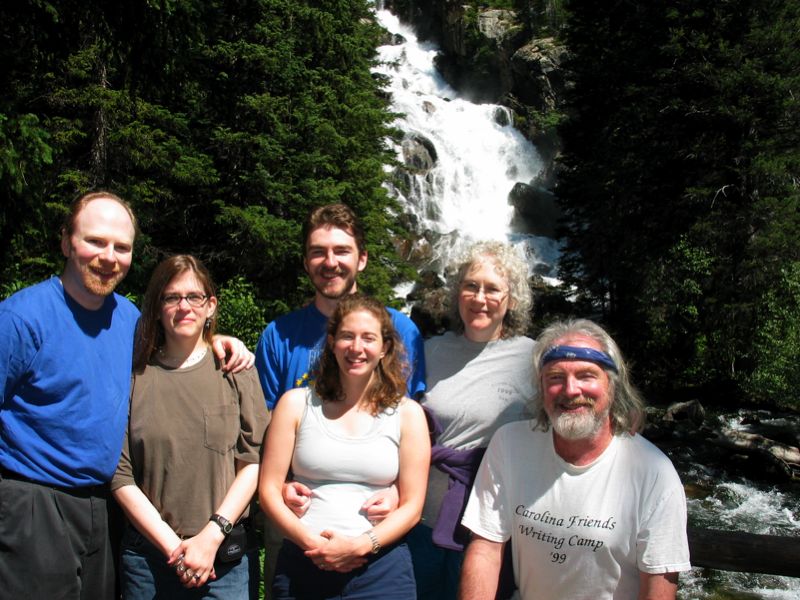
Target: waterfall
x=462, y=158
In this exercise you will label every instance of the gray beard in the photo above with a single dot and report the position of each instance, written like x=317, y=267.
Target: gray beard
x=579, y=426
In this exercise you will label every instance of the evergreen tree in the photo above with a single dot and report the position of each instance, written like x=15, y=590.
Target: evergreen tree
x=680, y=183
x=223, y=122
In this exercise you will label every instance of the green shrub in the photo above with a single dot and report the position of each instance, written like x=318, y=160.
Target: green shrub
x=775, y=377
x=239, y=311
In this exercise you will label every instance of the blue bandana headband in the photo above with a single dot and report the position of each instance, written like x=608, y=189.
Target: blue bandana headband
x=576, y=353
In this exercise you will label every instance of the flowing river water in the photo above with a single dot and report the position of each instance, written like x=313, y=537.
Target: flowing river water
x=479, y=156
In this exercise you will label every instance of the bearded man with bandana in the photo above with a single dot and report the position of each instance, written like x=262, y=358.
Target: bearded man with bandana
x=592, y=509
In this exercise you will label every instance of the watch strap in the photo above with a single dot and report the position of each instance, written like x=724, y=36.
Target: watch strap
x=225, y=526
x=376, y=545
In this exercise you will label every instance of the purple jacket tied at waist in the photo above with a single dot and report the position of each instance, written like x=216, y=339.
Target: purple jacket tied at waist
x=461, y=466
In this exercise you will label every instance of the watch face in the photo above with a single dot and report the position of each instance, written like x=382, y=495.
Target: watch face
x=225, y=525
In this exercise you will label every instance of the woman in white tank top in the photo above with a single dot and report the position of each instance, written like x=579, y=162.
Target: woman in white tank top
x=351, y=433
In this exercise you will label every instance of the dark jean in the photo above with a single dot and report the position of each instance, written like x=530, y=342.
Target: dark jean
x=146, y=575
x=388, y=575
x=437, y=570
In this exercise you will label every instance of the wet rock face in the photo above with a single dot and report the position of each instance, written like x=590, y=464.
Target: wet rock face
x=488, y=57
x=536, y=210
x=497, y=24
x=419, y=153
x=537, y=75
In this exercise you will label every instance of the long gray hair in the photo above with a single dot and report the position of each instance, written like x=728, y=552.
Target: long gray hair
x=627, y=406
x=512, y=268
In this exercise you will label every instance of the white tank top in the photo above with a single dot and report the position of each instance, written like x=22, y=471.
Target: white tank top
x=342, y=471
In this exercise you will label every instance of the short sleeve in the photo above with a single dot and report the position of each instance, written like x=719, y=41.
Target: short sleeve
x=415, y=353
x=253, y=417
x=124, y=473
x=662, y=545
x=487, y=513
x=267, y=367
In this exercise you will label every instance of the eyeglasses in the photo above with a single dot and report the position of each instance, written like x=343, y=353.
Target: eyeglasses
x=194, y=300
x=471, y=289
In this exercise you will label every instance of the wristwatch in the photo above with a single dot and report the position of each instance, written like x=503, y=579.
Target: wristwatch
x=376, y=545
x=225, y=526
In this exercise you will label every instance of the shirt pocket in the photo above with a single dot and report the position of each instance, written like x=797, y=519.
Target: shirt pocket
x=222, y=428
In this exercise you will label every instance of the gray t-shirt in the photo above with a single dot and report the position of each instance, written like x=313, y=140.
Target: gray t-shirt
x=473, y=389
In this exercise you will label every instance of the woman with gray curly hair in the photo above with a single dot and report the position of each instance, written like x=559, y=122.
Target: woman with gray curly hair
x=479, y=378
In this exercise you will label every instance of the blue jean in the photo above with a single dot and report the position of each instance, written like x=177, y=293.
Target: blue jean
x=388, y=575
x=145, y=575
x=437, y=570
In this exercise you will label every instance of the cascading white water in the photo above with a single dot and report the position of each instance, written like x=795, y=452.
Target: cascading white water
x=476, y=155
x=463, y=197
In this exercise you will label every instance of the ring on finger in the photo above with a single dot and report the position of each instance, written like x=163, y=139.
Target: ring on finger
x=196, y=576
x=180, y=568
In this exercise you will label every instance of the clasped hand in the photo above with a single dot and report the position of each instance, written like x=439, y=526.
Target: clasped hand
x=337, y=552
x=193, y=559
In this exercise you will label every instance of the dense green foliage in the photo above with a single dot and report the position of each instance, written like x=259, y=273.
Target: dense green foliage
x=222, y=122
x=680, y=188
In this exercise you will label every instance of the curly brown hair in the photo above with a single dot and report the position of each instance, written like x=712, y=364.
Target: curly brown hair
x=388, y=386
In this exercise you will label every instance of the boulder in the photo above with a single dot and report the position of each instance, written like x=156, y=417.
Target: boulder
x=503, y=116
x=535, y=209
x=419, y=153
x=538, y=79
x=691, y=412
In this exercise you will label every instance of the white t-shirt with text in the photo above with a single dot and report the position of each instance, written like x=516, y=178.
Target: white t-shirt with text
x=580, y=532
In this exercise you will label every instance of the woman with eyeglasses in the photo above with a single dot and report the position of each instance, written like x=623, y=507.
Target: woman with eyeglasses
x=189, y=464
x=348, y=435
x=479, y=377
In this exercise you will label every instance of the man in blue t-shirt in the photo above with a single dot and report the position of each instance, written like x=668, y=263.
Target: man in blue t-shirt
x=65, y=361
x=334, y=254
x=66, y=348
